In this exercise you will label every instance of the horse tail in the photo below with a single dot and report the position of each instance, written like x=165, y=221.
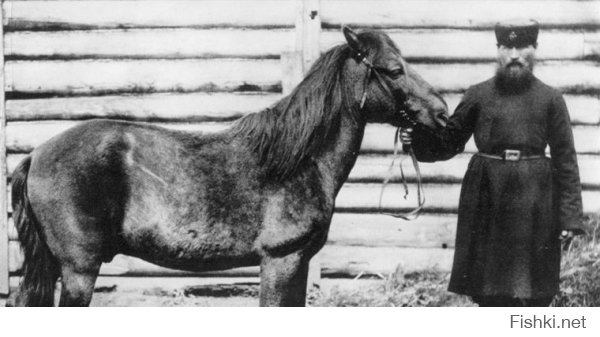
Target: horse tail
x=40, y=268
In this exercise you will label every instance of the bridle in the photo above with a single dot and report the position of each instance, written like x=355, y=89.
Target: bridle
x=408, y=121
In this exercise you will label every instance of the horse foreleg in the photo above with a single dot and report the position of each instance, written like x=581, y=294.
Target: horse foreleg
x=77, y=287
x=283, y=281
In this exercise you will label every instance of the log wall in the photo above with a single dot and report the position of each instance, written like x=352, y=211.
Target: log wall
x=199, y=65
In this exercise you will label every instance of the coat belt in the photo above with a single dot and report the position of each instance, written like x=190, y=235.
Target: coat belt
x=511, y=155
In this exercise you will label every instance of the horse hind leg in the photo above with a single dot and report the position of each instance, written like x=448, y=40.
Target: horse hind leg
x=77, y=286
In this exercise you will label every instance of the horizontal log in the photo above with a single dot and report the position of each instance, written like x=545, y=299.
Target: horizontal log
x=440, y=44
x=350, y=261
x=444, y=44
x=457, y=14
x=99, y=77
x=592, y=44
x=375, y=168
x=22, y=137
x=355, y=197
x=12, y=160
x=381, y=13
x=12, y=230
x=379, y=138
x=52, y=15
x=377, y=230
x=345, y=261
x=567, y=76
x=150, y=43
x=91, y=77
x=200, y=107
x=189, y=107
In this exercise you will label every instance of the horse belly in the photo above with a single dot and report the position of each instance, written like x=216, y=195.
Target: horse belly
x=196, y=246
x=187, y=230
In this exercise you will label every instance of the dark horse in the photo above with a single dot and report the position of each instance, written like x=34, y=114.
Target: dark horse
x=259, y=193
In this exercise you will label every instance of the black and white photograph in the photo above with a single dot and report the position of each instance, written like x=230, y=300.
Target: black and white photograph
x=290, y=153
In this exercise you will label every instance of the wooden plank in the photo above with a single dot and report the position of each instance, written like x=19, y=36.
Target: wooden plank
x=561, y=74
x=377, y=230
x=355, y=197
x=350, y=261
x=4, y=268
x=441, y=44
x=12, y=160
x=199, y=107
x=291, y=68
x=150, y=43
x=12, y=230
x=187, y=107
x=458, y=14
x=15, y=256
x=449, y=44
x=381, y=13
x=583, y=109
x=379, y=138
x=102, y=76
x=374, y=168
x=592, y=43
x=164, y=13
x=141, y=76
x=308, y=31
x=440, y=198
x=22, y=137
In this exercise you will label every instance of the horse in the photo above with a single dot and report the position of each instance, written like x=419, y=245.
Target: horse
x=261, y=192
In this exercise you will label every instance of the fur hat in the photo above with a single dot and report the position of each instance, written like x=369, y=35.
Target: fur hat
x=517, y=33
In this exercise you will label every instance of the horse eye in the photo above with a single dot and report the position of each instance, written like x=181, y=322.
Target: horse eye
x=395, y=73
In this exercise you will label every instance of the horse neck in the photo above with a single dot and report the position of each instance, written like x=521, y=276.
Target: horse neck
x=339, y=156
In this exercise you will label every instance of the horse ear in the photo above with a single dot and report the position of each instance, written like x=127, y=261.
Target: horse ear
x=352, y=39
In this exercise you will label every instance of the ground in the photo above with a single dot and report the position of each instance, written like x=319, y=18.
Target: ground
x=416, y=289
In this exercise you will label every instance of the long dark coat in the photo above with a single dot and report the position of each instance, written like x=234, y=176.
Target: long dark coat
x=510, y=213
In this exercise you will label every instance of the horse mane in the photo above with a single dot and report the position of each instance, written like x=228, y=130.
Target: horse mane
x=294, y=129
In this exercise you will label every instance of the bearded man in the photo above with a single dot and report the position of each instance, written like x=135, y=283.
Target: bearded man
x=516, y=204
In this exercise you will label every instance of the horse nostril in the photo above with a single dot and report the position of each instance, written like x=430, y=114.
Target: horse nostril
x=442, y=118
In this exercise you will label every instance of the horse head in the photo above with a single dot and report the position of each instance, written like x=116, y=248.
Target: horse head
x=388, y=90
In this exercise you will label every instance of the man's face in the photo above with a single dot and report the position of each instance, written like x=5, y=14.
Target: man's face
x=516, y=62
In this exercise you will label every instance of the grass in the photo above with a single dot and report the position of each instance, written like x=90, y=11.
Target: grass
x=580, y=269
x=417, y=289
x=579, y=282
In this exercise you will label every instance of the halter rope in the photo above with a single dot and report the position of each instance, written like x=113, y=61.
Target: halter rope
x=408, y=119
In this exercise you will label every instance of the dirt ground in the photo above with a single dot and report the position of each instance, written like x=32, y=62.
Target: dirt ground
x=182, y=292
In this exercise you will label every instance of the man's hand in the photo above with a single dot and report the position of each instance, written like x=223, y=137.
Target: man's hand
x=406, y=136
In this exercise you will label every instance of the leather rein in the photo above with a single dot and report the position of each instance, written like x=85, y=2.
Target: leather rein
x=407, y=119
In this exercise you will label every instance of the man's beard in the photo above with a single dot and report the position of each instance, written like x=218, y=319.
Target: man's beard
x=514, y=77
